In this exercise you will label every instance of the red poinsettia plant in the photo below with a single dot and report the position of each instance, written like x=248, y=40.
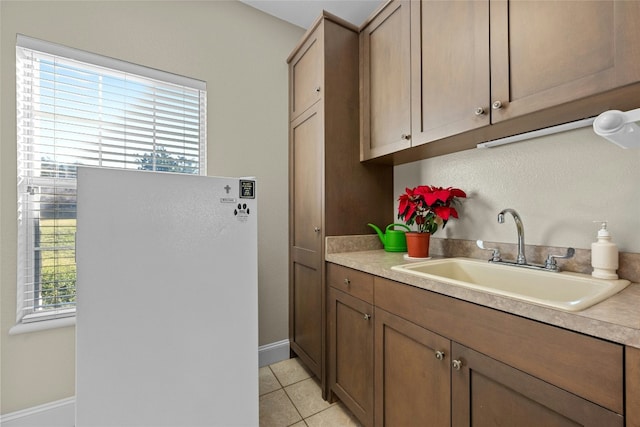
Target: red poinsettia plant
x=428, y=206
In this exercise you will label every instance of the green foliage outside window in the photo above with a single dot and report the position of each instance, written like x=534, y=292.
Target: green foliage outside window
x=56, y=256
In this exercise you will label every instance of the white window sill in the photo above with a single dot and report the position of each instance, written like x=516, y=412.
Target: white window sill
x=43, y=325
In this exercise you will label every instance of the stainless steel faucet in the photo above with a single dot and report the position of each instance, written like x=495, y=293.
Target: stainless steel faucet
x=521, y=259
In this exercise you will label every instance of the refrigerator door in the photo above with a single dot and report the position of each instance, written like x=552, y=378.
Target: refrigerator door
x=167, y=306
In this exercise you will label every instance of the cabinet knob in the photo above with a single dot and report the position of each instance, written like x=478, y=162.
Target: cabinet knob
x=405, y=136
x=456, y=364
x=318, y=89
x=439, y=355
x=316, y=229
x=479, y=111
x=347, y=281
x=496, y=105
x=367, y=316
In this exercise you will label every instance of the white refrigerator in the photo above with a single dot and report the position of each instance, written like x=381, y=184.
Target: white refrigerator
x=167, y=300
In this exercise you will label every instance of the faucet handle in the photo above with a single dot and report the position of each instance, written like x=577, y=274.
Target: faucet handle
x=551, y=264
x=495, y=257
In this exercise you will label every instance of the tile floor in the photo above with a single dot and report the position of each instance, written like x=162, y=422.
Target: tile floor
x=291, y=396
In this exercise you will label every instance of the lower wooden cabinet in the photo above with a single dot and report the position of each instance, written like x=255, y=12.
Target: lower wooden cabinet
x=486, y=392
x=306, y=313
x=350, y=335
x=351, y=353
x=412, y=374
x=404, y=356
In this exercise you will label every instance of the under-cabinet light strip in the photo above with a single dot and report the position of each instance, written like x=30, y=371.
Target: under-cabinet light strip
x=537, y=133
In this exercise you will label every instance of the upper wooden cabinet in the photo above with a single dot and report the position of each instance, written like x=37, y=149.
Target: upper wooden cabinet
x=477, y=64
x=385, y=116
x=449, y=68
x=305, y=74
x=546, y=53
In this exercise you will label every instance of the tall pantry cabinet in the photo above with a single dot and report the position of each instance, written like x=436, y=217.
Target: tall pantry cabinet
x=330, y=192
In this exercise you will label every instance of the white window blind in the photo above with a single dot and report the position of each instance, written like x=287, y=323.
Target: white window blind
x=76, y=108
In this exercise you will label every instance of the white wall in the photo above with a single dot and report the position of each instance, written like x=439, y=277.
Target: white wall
x=558, y=184
x=241, y=53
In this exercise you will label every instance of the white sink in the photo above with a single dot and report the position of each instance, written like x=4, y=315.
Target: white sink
x=564, y=290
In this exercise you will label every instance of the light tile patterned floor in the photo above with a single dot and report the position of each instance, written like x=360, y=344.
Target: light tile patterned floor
x=291, y=396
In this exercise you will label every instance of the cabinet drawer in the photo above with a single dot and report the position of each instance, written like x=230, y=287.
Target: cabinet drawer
x=352, y=282
x=586, y=366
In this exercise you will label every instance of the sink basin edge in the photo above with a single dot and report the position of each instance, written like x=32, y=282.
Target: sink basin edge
x=565, y=291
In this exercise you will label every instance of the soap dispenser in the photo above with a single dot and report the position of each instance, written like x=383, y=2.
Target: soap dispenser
x=604, y=255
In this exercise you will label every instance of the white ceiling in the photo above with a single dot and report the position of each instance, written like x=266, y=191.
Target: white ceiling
x=303, y=12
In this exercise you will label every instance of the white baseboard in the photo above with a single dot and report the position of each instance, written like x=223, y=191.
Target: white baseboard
x=272, y=353
x=61, y=413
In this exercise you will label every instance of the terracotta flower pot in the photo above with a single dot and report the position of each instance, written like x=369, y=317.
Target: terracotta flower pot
x=418, y=244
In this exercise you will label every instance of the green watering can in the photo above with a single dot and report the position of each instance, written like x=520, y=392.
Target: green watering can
x=393, y=240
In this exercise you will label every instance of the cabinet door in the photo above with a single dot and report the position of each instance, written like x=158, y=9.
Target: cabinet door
x=632, y=386
x=306, y=74
x=351, y=353
x=385, y=82
x=449, y=68
x=412, y=386
x=305, y=234
x=306, y=173
x=546, y=53
x=486, y=392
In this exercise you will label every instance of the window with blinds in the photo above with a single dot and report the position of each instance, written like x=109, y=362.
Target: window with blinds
x=76, y=108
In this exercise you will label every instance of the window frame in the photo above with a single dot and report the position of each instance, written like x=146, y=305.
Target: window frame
x=27, y=317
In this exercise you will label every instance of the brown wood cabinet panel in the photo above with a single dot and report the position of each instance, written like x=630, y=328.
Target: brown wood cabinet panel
x=307, y=315
x=632, y=386
x=351, y=353
x=449, y=68
x=486, y=392
x=305, y=289
x=549, y=53
x=306, y=174
x=305, y=75
x=412, y=385
x=350, y=281
x=385, y=82
x=587, y=366
x=355, y=193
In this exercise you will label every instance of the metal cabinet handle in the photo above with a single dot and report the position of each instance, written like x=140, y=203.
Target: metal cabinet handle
x=367, y=316
x=316, y=229
x=318, y=89
x=496, y=105
x=405, y=136
x=439, y=355
x=479, y=111
x=347, y=281
x=456, y=364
